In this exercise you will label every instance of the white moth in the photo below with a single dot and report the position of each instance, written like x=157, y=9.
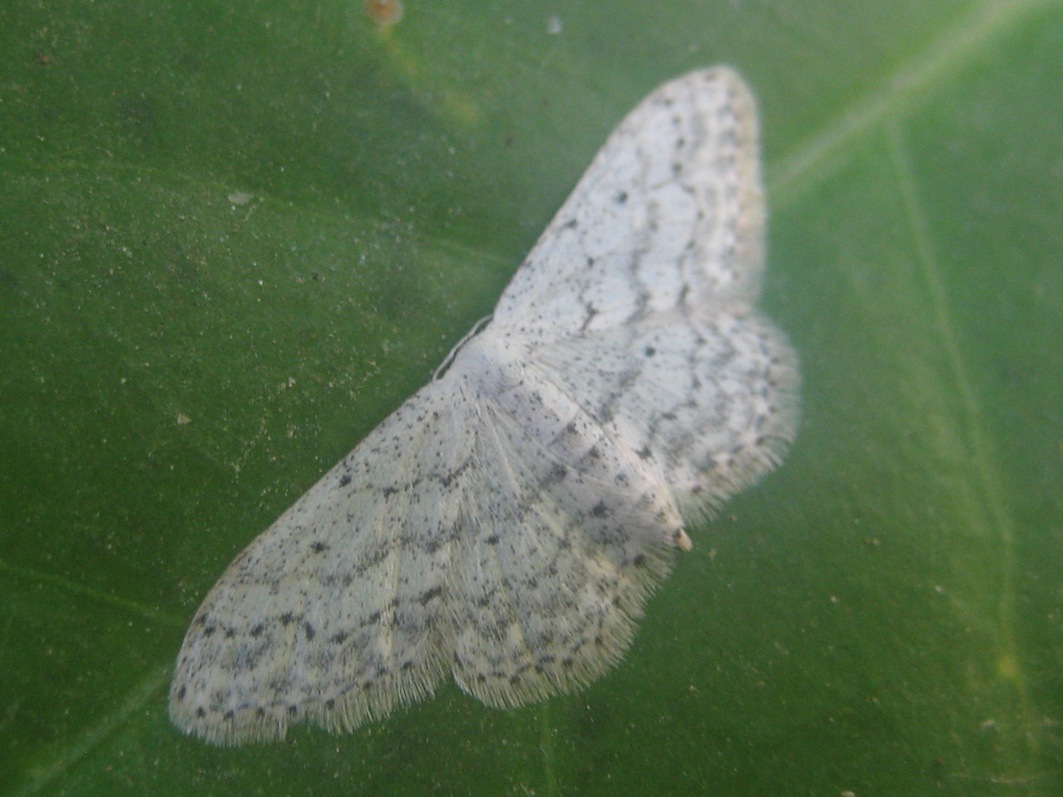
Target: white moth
x=506, y=524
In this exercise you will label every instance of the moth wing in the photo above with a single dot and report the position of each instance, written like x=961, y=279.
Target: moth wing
x=335, y=613
x=669, y=214
x=709, y=398
x=566, y=532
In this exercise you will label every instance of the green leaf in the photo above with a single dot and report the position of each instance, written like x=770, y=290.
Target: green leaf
x=235, y=237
